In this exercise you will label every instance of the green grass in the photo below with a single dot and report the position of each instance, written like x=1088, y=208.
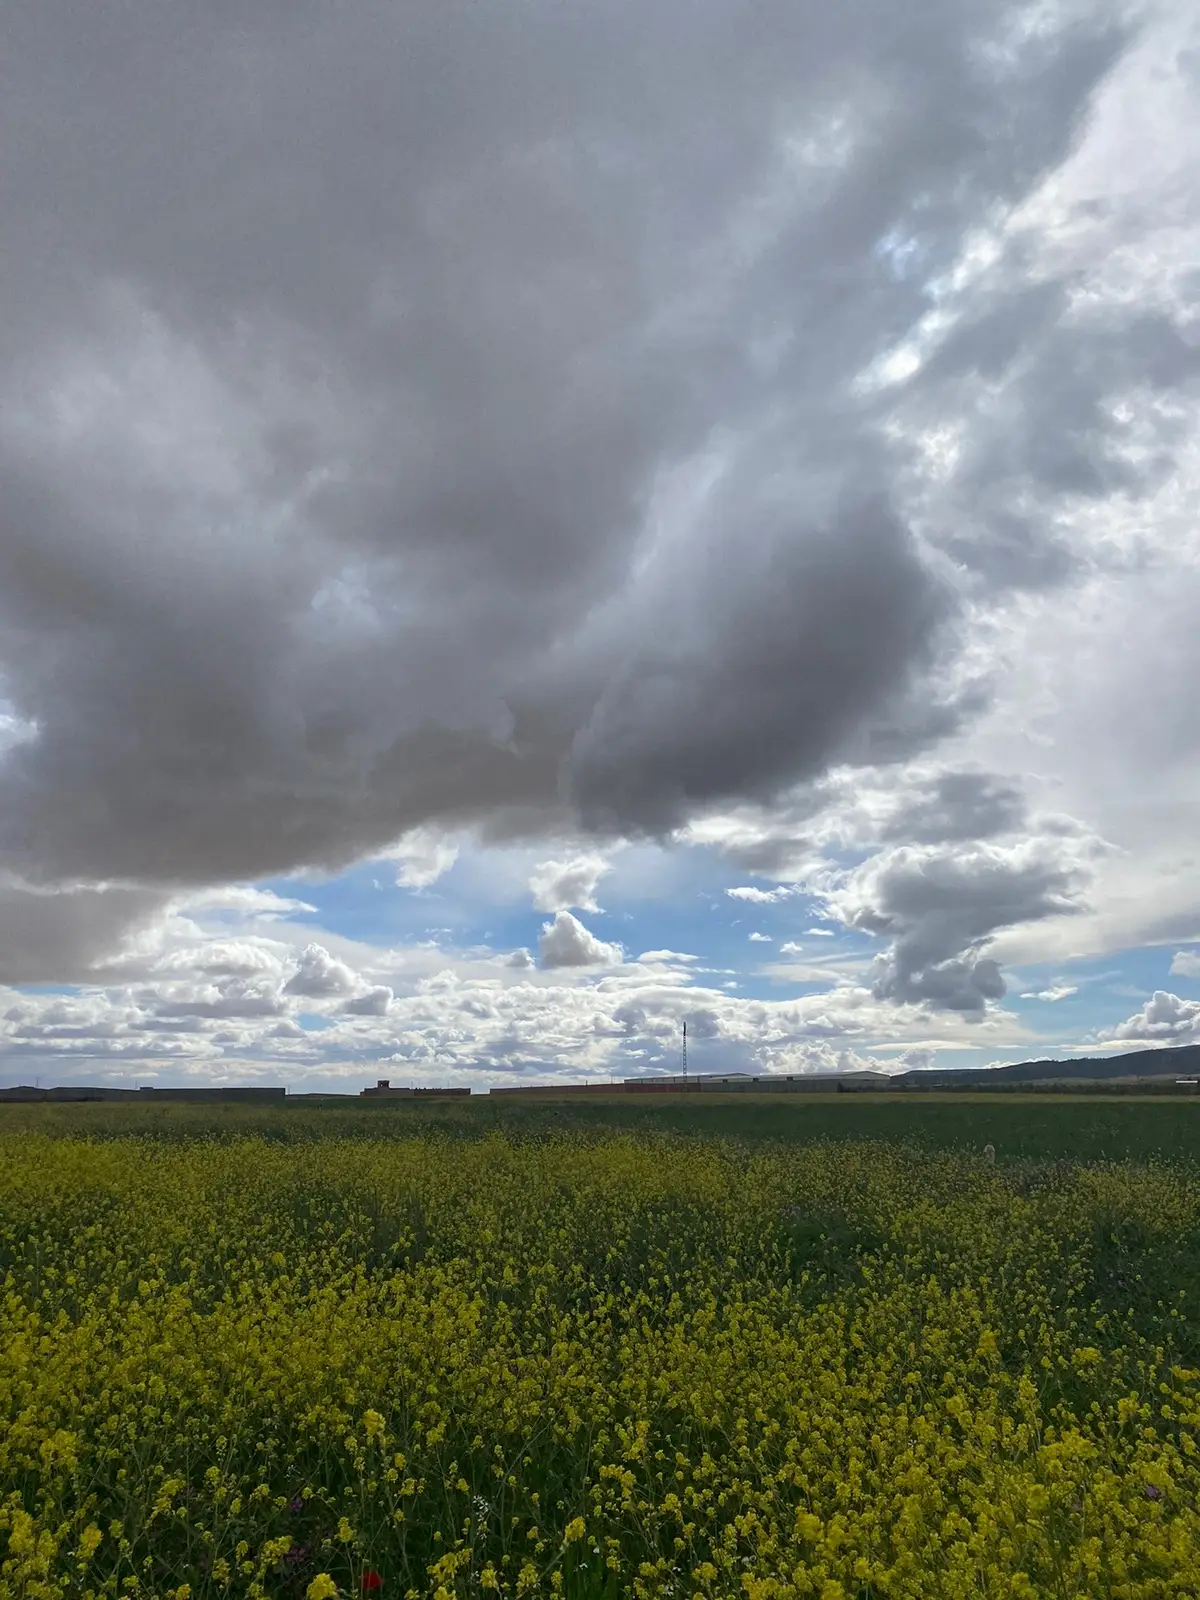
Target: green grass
x=1037, y=1127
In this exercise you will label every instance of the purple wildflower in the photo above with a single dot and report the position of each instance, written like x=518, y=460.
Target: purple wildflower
x=1153, y=1492
x=296, y=1503
x=298, y=1555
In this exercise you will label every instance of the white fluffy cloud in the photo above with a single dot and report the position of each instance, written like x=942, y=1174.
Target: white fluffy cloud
x=319, y=976
x=422, y=856
x=238, y=958
x=1164, y=1019
x=565, y=942
x=1186, y=964
x=567, y=885
x=473, y=1015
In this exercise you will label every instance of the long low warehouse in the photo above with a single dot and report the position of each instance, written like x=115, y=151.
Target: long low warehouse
x=700, y=1083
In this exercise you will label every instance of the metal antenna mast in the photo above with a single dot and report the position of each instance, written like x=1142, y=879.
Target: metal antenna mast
x=685, y=1054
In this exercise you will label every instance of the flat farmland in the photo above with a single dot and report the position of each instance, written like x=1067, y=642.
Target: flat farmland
x=670, y=1347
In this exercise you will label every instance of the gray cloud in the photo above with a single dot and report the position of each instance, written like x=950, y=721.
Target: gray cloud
x=940, y=906
x=826, y=622
x=774, y=850
x=48, y=934
x=957, y=806
x=228, y=997
x=374, y=1003
x=417, y=421
x=854, y=809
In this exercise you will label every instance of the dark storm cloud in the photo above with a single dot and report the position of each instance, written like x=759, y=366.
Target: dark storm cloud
x=61, y=936
x=350, y=355
x=795, y=643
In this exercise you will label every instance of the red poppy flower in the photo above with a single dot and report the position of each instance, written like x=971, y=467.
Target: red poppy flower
x=371, y=1580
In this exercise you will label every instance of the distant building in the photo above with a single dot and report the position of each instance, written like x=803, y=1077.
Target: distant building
x=383, y=1091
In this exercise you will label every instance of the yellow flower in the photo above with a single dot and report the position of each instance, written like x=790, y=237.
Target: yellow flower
x=563, y=1319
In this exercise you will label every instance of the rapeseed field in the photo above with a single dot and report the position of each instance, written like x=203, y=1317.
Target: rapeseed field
x=592, y=1363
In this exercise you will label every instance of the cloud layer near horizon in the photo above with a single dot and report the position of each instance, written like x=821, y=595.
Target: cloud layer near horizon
x=601, y=424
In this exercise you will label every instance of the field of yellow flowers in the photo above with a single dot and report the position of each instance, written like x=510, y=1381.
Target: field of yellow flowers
x=592, y=1363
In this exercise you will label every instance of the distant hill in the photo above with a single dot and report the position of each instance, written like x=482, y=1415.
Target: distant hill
x=1177, y=1061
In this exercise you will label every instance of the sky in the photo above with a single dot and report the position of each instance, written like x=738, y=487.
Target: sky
x=522, y=526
